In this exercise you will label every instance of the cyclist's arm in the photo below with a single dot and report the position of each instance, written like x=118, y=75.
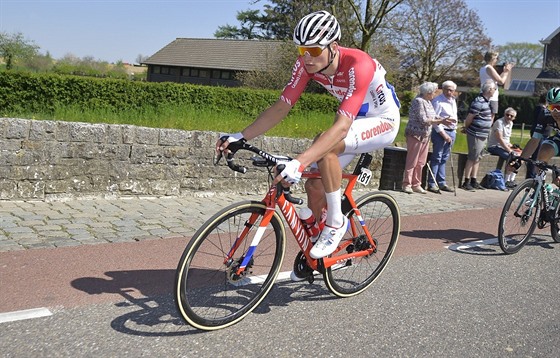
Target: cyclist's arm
x=530, y=147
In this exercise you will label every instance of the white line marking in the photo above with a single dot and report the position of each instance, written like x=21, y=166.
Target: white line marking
x=25, y=314
x=466, y=245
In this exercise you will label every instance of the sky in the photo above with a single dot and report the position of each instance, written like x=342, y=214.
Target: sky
x=121, y=30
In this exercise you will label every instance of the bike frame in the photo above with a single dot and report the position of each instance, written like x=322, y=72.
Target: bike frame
x=276, y=197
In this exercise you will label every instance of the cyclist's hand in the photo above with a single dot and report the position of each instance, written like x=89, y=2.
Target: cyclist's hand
x=515, y=163
x=225, y=140
x=291, y=173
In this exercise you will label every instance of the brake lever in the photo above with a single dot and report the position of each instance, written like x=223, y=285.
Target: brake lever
x=217, y=156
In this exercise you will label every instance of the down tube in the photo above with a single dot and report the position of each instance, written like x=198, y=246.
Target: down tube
x=256, y=239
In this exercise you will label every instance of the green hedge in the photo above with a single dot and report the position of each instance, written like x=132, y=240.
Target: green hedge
x=44, y=92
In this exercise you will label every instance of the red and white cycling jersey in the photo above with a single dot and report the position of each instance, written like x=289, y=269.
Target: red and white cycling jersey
x=359, y=84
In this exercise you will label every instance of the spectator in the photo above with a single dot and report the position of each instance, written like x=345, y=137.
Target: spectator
x=443, y=136
x=537, y=112
x=417, y=132
x=477, y=126
x=488, y=72
x=499, y=143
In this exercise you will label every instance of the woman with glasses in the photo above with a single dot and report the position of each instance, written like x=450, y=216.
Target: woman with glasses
x=367, y=118
x=550, y=147
x=499, y=143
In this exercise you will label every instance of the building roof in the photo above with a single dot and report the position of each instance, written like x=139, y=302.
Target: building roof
x=550, y=37
x=237, y=55
x=525, y=73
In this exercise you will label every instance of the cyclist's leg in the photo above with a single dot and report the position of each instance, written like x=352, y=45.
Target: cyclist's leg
x=549, y=149
x=365, y=135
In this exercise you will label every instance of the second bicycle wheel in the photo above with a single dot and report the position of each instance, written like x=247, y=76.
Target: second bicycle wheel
x=381, y=215
x=555, y=225
x=519, y=217
x=208, y=293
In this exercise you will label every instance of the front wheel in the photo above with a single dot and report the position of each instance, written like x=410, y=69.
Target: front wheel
x=209, y=292
x=380, y=214
x=519, y=217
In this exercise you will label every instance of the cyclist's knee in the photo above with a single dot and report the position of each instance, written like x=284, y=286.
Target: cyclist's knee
x=547, y=151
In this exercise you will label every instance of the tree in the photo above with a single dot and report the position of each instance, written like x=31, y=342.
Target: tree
x=14, y=47
x=277, y=72
x=252, y=27
x=523, y=54
x=371, y=20
x=436, y=39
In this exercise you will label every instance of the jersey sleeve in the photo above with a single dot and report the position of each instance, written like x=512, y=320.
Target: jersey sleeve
x=540, y=126
x=293, y=90
x=360, y=75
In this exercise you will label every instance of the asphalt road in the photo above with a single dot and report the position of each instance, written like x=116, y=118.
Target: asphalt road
x=114, y=299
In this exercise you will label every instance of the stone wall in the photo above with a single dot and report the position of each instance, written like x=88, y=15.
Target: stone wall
x=49, y=160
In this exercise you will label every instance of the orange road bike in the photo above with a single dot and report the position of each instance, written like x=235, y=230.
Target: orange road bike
x=233, y=260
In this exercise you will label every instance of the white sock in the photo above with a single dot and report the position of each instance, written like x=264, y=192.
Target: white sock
x=512, y=178
x=334, y=211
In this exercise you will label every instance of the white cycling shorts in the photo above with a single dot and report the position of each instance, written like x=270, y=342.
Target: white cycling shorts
x=368, y=134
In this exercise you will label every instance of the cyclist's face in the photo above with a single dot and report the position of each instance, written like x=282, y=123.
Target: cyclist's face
x=314, y=64
x=556, y=116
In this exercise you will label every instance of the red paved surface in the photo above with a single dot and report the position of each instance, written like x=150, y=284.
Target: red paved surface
x=98, y=273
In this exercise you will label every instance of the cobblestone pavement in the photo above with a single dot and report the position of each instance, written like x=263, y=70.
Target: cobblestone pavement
x=62, y=223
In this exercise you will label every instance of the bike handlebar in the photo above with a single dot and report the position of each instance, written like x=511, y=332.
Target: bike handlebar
x=270, y=161
x=537, y=163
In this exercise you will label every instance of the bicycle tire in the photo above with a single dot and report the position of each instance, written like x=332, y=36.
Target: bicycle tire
x=555, y=225
x=516, y=228
x=206, y=295
x=382, y=216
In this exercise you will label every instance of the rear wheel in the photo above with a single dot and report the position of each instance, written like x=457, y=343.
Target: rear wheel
x=209, y=293
x=380, y=213
x=519, y=217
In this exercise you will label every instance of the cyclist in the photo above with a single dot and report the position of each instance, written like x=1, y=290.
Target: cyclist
x=367, y=119
x=550, y=147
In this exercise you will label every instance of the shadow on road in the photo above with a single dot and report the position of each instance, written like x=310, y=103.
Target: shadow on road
x=150, y=307
x=450, y=236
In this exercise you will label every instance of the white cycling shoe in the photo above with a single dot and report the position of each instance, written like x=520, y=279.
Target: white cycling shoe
x=328, y=240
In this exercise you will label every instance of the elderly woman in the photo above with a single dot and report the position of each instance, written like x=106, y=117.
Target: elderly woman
x=421, y=117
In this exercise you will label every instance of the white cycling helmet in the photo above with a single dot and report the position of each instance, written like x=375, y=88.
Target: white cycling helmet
x=317, y=29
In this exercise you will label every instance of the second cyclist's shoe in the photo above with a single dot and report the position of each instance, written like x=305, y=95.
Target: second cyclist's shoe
x=328, y=240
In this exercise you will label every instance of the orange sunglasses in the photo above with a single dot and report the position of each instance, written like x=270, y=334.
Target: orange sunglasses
x=315, y=51
x=553, y=107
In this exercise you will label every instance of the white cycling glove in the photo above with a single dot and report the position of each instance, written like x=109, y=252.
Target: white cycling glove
x=234, y=137
x=292, y=171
